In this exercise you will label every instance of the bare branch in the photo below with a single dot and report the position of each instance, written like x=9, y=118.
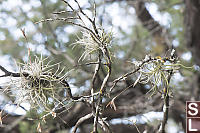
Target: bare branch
x=166, y=97
x=81, y=120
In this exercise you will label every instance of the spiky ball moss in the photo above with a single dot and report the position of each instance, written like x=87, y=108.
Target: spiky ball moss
x=40, y=84
x=157, y=71
x=93, y=43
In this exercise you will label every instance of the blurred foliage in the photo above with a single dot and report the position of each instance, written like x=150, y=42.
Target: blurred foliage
x=132, y=41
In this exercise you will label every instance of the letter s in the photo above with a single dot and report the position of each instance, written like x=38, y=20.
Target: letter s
x=193, y=108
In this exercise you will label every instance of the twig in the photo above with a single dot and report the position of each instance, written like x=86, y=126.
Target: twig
x=105, y=125
x=89, y=63
x=166, y=97
x=81, y=120
x=54, y=19
x=97, y=68
x=112, y=102
x=8, y=73
x=165, y=114
x=61, y=12
x=129, y=73
x=165, y=108
x=102, y=90
x=92, y=22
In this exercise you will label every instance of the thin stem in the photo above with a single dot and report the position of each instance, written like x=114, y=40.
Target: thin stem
x=81, y=120
x=102, y=90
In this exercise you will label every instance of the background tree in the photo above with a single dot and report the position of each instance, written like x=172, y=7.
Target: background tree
x=137, y=32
